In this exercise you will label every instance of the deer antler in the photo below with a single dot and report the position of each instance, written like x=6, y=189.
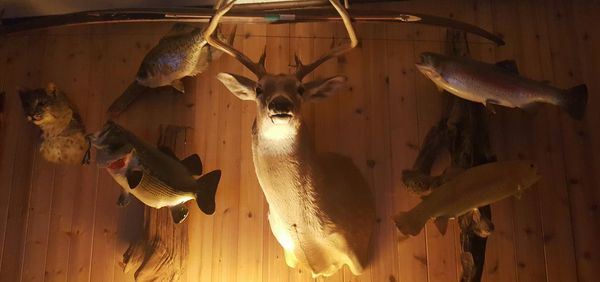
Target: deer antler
x=303, y=70
x=257, y=68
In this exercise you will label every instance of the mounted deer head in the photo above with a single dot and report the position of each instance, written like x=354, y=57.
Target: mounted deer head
x=320, y=207
x=279, y=97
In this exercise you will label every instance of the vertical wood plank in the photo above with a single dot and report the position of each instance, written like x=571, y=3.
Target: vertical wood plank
x=17, y=205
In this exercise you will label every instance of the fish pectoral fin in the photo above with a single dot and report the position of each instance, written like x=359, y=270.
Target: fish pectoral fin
x=179, y=213
x=194, y=164
x=489, y=104
x=442, y=224
x=168, y=152
x=508, y=65
x=134, y=177
x=124, y=199
x=178, y=85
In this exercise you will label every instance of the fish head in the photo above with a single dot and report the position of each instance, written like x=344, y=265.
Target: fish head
x=112, y=144
x=430, y=65
x=37, y=103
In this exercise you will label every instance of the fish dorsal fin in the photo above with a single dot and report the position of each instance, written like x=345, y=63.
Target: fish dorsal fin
x=134, y=177
x=442, y=224
x=508, y=65
x=168, y=152
x=178, y=29
x=194, y=164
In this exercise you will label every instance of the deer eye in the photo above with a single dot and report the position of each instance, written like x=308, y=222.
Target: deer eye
x=301, y=90
x=258, y=90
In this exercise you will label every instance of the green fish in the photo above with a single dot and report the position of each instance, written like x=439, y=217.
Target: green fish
x=476, y=187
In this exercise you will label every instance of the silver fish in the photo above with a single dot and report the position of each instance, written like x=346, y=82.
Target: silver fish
x=473, y=188
x=498, y=84
x=156, y=177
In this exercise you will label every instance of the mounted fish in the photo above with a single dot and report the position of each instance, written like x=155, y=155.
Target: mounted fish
x=63, y=134
x=498, y=84
x=180, y=53
x=154, y=176
x=473, y=188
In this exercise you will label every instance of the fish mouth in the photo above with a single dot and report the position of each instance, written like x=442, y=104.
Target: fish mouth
x=281, y=118
x=116, y=164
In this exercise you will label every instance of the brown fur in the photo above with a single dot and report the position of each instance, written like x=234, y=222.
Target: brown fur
x=63, y=135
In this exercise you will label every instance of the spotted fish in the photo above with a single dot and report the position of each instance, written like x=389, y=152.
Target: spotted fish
x=498, y=84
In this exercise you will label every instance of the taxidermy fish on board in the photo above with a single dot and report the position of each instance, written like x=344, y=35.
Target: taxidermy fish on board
x=498, y=84
x=473, y=188
x=180, y=53
x=63, y=135
x=154, y=176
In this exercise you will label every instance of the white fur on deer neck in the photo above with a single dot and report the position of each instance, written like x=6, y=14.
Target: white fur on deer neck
x=320, y=206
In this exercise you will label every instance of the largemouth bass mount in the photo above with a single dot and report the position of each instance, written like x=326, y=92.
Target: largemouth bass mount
x=320, y=207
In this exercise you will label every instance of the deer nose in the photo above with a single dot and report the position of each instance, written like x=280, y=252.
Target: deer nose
x=280, y=105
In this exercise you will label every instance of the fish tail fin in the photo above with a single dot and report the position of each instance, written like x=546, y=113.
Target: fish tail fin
x=575, y=101
x=206, y=189
x=408, y=224
x=132, y=93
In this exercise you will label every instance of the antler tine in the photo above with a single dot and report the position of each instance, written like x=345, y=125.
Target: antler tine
x=257, y=69
x=303, y=70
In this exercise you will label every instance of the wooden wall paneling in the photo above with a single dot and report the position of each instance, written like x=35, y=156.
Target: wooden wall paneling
x=23, y=163
x=411, y=252
x=143, y=118
x=62, y=48
x=501, y=262
x=251, y=210
x=552, y=192
x=300, y=42
x=207, y=142
x=584, y=17
x=40, y=204
x=84, y=197
x=578, y=158
x=527, y=225
x=440, y=248
x=353, y=124
x=225, y=230
x=92, y=111
x=376, y=80
x=327, y=112
x=196, y=137
x=104, y=47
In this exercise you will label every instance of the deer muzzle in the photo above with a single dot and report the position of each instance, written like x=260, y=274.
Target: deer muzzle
x=280, y=110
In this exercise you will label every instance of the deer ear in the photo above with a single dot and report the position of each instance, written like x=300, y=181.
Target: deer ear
x=323, y=88
x=242, y=87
